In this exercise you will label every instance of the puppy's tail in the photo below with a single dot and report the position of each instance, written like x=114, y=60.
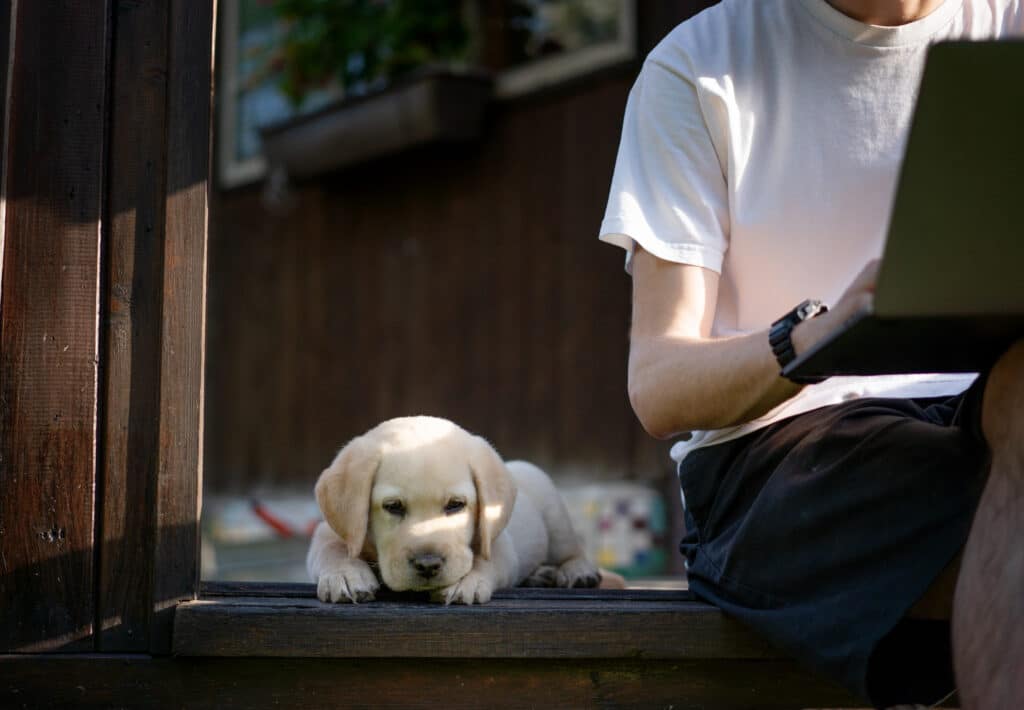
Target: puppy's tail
x=611, y=580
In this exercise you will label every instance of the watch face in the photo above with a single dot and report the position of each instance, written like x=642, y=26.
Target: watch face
x=808, y=309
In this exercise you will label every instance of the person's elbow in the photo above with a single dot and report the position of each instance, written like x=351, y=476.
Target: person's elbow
x=667, y=406
x=649, y=407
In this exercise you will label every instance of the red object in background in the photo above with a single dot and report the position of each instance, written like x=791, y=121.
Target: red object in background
x=280, y=527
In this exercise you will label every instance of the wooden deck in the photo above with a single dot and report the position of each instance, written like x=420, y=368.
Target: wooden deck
x=263, y=645
x=288, y=621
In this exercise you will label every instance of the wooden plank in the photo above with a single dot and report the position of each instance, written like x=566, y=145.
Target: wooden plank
x=53, y=190
x=291, y=589
x=189, y=94
x=7, y=57
x=502, y=218
x=132, y=316
x=504, y=628
x=594, y=284
x=541, y=129
x=122, y=681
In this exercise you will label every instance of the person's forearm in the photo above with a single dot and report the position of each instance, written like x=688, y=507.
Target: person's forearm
x=684, y=384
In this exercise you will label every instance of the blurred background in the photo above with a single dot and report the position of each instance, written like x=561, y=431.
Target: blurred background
x=404, y=221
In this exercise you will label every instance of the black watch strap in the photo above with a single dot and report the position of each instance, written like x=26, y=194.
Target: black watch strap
x=781, y=331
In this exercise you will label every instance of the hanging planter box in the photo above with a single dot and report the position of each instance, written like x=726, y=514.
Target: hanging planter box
x=430, y=106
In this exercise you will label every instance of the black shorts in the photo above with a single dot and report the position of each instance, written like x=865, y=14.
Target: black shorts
x=822, y=530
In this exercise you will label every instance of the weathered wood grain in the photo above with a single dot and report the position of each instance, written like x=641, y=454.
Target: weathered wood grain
x=175, y=560
x=53, y=192
x=397, y=683
x=103, y=273
x=132, y=336
x=505, y=628
x=291, y=589
x=152, y=429
x=6, y=57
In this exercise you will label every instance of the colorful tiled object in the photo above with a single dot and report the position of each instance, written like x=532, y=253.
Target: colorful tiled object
x=623, y=526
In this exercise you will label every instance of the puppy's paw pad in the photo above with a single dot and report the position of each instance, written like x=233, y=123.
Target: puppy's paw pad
x=474, y=588
x=543, y=576
x=353, y=583
x=578, y=572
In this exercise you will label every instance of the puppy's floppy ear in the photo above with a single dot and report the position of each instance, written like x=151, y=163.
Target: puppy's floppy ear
x=495, y=494
x=343, y=492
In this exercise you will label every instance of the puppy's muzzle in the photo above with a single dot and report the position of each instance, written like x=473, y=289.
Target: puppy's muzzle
x=427, y=565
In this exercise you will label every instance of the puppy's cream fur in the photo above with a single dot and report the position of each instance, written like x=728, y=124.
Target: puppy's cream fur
x=434, y=508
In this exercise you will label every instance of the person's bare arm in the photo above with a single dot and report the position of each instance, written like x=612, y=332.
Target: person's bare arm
x=680, y=378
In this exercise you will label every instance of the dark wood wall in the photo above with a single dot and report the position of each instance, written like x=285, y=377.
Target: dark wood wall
x=462, y=282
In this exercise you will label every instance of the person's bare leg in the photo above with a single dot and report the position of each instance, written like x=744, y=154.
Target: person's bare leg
x=988, y=635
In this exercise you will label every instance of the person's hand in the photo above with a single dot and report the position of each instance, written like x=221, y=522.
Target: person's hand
x=860, y=294
x=857, y=297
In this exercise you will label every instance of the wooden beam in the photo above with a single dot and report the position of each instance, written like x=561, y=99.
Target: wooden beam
x=306, y=590
x=6, y=47
x=87, y=241
x=528, y=624
x=396, y=683
x=160, y=162
x=53, y=195
x=132, y=333
x=175, y=560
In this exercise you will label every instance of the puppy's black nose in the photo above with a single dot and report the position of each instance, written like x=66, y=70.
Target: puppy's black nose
x=427, y=565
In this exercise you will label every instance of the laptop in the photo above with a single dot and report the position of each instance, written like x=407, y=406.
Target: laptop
x=950, y=289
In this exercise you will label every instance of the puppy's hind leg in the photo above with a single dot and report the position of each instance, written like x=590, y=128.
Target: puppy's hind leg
x=578, y=572
x=543, y=576
x=565, y=550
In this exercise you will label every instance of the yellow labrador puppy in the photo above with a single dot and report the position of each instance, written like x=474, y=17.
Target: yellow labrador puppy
x=421, y=504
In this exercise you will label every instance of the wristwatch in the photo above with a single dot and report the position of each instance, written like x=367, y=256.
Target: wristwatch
x=782, y=329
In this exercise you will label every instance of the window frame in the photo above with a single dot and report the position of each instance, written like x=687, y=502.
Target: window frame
x=509, y=84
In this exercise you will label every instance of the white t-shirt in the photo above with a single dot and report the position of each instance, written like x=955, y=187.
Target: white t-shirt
x=762, y=140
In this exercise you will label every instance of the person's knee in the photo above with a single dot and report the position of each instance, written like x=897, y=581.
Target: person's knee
x=1002, y=411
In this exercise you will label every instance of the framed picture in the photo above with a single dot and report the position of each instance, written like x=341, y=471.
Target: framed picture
x=528, y=44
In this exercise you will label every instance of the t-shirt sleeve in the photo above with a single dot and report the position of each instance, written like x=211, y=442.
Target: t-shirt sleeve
x=1015, y=18
x=668, y=191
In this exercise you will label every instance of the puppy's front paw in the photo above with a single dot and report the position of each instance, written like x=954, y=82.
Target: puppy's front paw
x=578, y=572
x=348, y=581
x=474, y=588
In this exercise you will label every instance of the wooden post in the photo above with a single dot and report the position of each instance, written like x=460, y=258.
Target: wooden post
x=53, y=194
x=160, y=143
x=175, y=558
x=105, y=170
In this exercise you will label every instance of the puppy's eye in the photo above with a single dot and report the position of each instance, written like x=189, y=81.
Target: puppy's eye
x=454, y=506
x=394, y=507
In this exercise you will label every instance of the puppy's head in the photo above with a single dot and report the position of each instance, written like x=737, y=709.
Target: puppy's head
x=421, y=496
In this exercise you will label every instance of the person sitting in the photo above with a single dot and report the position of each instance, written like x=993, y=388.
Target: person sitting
x=759, y=155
